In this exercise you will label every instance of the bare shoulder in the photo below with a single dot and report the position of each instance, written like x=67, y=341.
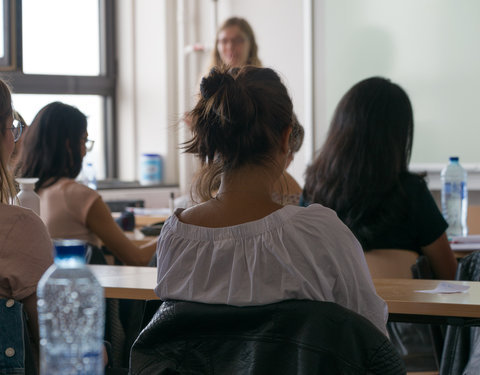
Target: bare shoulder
x=199, y=214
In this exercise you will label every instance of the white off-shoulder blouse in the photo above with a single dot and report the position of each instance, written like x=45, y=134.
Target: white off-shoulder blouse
x=293, y=253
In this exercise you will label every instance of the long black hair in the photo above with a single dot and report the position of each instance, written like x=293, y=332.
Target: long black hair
x=366, y=152
x=52, y=146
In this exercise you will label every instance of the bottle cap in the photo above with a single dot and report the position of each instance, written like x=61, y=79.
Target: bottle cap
x=453, y=158
x=27, y=182
x=69, y=248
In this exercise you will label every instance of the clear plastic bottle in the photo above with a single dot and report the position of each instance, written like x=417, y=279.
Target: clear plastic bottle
x=455, y=198
x=71, y=314
x=27, y=197
x=90, y=176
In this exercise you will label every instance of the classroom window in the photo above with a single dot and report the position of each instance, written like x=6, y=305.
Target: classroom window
x=90, y=105
x=65, y=52
x=3, y=32
x=66, y=34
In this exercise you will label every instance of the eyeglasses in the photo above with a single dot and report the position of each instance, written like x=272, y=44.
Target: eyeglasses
x=17, y=129
x=89, y=144
x=235, y=41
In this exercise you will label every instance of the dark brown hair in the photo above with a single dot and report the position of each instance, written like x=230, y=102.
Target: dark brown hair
x=45, y=154
x=238, y=120
x=366, y=152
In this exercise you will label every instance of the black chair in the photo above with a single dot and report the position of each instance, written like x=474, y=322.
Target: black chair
x=290, y=337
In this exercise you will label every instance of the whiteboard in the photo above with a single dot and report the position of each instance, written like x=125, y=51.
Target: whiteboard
x=429, y=47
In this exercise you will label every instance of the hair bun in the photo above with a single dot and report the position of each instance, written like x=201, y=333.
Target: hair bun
x=211, y=83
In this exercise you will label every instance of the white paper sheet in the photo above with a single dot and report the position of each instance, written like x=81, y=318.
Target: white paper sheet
x=446, y=288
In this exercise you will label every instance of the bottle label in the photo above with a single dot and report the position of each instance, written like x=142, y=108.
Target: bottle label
x=454, y=207
x=454, y=188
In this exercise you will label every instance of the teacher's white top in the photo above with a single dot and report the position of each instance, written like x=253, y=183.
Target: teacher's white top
x=293, y=253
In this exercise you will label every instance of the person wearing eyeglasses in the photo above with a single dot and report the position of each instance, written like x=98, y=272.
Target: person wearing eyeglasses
x=25, y=245
x=235, y=45
x=19, y=128
x=53, y=151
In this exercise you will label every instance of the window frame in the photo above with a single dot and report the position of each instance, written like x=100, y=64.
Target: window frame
x=8, y=61
x=102, y=85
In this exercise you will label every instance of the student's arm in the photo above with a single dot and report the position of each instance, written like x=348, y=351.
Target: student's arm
x=100, y=221
x=441, y=258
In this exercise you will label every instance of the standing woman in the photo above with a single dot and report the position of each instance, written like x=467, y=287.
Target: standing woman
x=53, y=151
x=240, y=247
x=362, y=174
x=25, y=247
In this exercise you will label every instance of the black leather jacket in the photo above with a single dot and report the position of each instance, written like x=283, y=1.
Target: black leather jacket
x=291, y=337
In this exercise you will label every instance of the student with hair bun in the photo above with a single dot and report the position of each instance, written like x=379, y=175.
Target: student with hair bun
x=240, y=247
x=236, y=46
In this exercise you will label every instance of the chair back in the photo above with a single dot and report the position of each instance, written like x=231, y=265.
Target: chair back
x=391, y=263
x=473, y=219
x=290, y=337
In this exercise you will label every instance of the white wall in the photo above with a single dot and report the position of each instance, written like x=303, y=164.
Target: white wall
x=147, y=85
x=426, y=46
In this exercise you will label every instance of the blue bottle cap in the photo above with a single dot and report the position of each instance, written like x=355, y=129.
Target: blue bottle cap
x=454, y=158
x=69, y=248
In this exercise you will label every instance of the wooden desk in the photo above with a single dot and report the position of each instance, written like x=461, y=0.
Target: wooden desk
x=126, y=282
x=404, y=304
x=141, y=221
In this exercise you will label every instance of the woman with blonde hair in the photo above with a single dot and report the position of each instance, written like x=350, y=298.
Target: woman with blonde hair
x=25, y=246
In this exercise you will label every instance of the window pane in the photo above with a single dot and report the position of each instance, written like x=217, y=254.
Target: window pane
x=61, y=37
x=92, y=106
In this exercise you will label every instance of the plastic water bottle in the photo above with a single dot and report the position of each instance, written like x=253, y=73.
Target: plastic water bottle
x=71, y=314
x=90, y=176
x=27, y=197
x=455, y=198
